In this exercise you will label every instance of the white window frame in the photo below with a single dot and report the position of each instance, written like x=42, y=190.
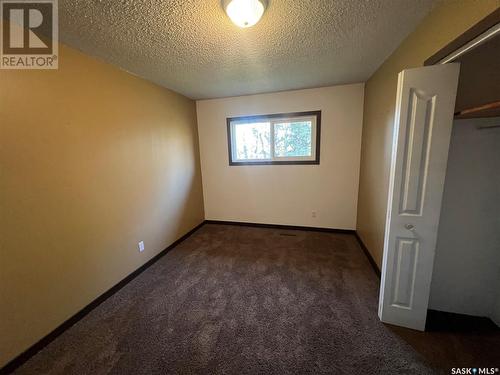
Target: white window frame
x=313, y=116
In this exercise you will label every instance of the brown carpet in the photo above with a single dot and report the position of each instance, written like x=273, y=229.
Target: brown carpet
x=240, y=300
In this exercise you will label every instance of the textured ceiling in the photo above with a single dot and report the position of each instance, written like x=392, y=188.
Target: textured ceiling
x=191, y=46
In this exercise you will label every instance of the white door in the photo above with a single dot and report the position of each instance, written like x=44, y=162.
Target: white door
x=422, y=129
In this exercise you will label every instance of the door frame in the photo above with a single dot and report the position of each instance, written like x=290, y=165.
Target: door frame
x=478, y=34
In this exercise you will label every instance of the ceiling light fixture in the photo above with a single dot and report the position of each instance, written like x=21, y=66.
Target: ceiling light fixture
x=244, y=13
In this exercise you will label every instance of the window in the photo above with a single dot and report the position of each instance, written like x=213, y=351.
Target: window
x=285, y=138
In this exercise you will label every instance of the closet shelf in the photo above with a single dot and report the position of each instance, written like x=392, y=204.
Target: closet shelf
x=486, y=110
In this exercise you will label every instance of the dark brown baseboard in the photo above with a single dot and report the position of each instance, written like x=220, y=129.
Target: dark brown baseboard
x=441, y=321
x=280, y=226
x=43, y=342
x=315, y=229
x=368, y=255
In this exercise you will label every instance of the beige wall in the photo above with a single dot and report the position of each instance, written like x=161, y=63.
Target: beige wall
x=285, y=194
x=441, y=26
x=93, y=160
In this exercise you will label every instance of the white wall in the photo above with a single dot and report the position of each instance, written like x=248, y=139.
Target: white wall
x=466, y=276
x=495, y=315
x=285, y=194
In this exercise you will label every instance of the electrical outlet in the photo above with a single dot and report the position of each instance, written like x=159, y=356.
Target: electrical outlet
x=313, y=214
x=141, y=246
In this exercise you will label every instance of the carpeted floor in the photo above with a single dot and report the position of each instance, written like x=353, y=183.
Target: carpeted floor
x=240, y=300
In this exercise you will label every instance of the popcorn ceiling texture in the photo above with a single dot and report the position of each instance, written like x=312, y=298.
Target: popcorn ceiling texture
x=192, y=47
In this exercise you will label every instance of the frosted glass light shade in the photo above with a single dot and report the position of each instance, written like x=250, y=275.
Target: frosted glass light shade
x=245, y=13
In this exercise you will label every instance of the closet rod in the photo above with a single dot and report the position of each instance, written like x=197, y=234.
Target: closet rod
x=488, y=127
